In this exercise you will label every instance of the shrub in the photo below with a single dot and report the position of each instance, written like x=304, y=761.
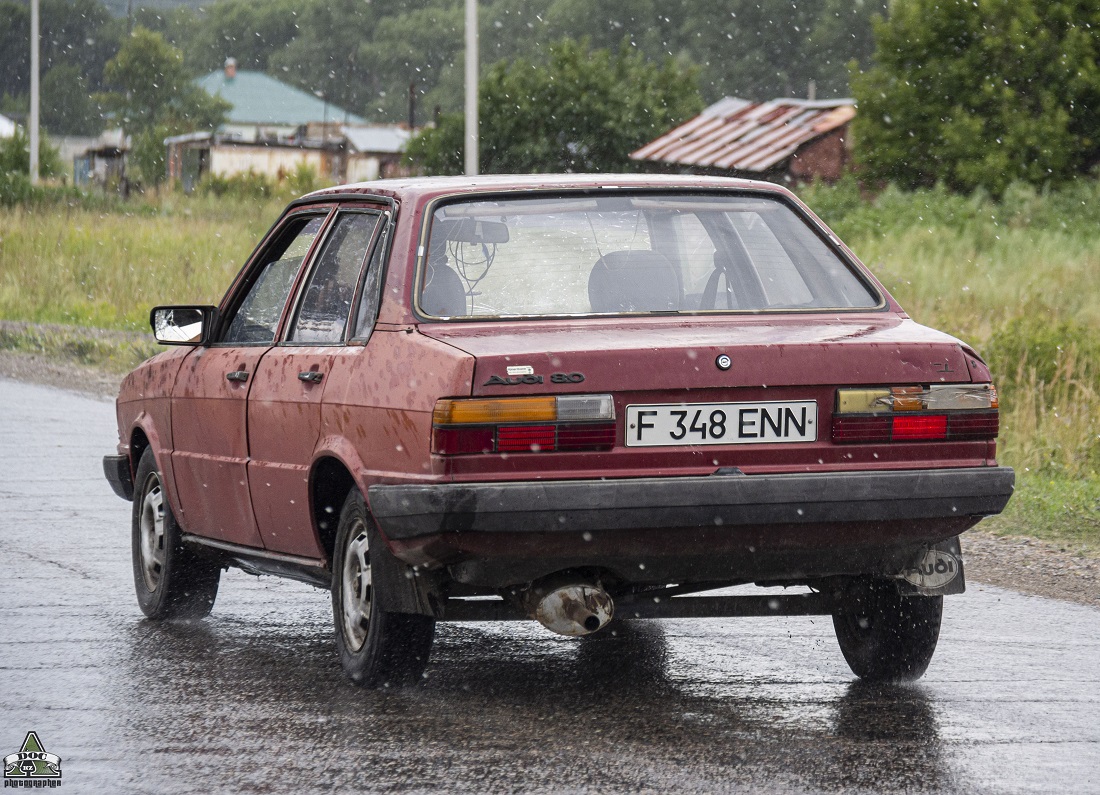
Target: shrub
x=249, y=185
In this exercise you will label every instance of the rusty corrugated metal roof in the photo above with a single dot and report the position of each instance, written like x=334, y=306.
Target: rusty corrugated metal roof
x=739, y=135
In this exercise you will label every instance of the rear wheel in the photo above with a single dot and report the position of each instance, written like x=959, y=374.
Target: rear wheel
x=884, y=635
x=377, y=648
x=171, y=581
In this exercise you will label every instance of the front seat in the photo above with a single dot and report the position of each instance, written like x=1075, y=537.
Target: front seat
x=443, y=294
x=634, y=281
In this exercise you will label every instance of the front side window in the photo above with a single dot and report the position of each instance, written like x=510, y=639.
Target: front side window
x=256, y=318
x=627, y=254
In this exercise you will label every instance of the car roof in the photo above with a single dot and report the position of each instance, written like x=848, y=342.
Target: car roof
x=411, y=188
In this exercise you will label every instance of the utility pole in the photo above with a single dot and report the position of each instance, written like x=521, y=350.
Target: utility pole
x=471, y=88
x=34, y=93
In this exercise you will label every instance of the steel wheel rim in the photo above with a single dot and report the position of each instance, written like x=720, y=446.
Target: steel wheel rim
x=151, y=534
x=355, y=588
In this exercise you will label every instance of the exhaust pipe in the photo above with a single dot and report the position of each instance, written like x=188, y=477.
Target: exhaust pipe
x=572, y=608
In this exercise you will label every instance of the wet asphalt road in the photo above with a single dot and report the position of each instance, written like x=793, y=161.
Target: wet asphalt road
x=253, y=700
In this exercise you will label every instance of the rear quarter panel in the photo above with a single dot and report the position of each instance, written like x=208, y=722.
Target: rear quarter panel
x=377, y=411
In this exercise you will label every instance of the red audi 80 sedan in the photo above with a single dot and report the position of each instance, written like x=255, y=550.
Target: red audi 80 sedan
x=575, y=399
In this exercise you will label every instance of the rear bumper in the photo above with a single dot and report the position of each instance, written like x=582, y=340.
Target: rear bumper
x=781, y=528
x=407, y=512
x=116, y=468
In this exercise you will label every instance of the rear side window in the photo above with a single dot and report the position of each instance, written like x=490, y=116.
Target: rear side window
x=629, y=254
x=326, y=303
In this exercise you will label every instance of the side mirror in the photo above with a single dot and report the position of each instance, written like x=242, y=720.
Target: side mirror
x=183, y=325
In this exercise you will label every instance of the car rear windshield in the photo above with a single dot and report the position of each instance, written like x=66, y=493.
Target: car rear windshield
x=630, y=254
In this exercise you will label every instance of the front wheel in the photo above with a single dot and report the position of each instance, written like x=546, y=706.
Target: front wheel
x=377, y=648
x=171, y=581
x=884, y=635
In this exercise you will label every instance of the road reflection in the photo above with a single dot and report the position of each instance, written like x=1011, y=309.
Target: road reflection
x=896, y=736
x=519, y=697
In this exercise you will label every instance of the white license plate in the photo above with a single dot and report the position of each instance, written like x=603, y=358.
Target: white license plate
x=765, y=422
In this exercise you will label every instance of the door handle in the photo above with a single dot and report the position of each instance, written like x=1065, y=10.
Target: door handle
x=237, y=375
x=311, y=377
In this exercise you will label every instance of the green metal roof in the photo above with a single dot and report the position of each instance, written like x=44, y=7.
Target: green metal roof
x=261, y=99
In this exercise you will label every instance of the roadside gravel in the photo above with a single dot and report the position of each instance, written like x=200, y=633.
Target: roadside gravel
x=1032, y=566
x=38, y=369
x=1023, y=564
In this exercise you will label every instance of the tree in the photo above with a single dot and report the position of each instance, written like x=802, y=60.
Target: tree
x=76, y=37
x=152, y=87
x=755, y=49
x=585, y=111
x=326, y=55
x=979, y=94
x=422, y=46
x=15, y=156
x=67, y=106
x=245, y=30
x=154, y=97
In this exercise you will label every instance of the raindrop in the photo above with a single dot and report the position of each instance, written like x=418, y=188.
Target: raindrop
x=585, y=535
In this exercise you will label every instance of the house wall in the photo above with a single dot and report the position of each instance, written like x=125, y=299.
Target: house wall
x=363, y=168
x=275, y=162
x=824, y=159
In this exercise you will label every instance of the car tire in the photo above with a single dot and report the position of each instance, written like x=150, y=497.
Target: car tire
x=377, y=648
x=884, y=635
x=171, y=581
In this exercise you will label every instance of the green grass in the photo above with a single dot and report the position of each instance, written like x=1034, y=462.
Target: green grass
x=1061, y=510
x=114, y=352
x=106, y=267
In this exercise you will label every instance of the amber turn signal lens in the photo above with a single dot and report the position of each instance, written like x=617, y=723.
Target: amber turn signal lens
x=937, y=397
x=492, y=411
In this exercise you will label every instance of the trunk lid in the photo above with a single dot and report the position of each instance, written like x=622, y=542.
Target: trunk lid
x=679, y=355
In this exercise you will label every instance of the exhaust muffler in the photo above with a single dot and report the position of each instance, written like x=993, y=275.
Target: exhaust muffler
x=571, y=608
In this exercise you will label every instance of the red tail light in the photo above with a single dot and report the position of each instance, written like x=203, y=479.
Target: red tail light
x=920, y=426
x=526, y=438
x=955, y=412
x=523, y=425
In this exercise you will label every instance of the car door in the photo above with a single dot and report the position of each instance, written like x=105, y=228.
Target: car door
x=284, y=406
x=209, y=401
